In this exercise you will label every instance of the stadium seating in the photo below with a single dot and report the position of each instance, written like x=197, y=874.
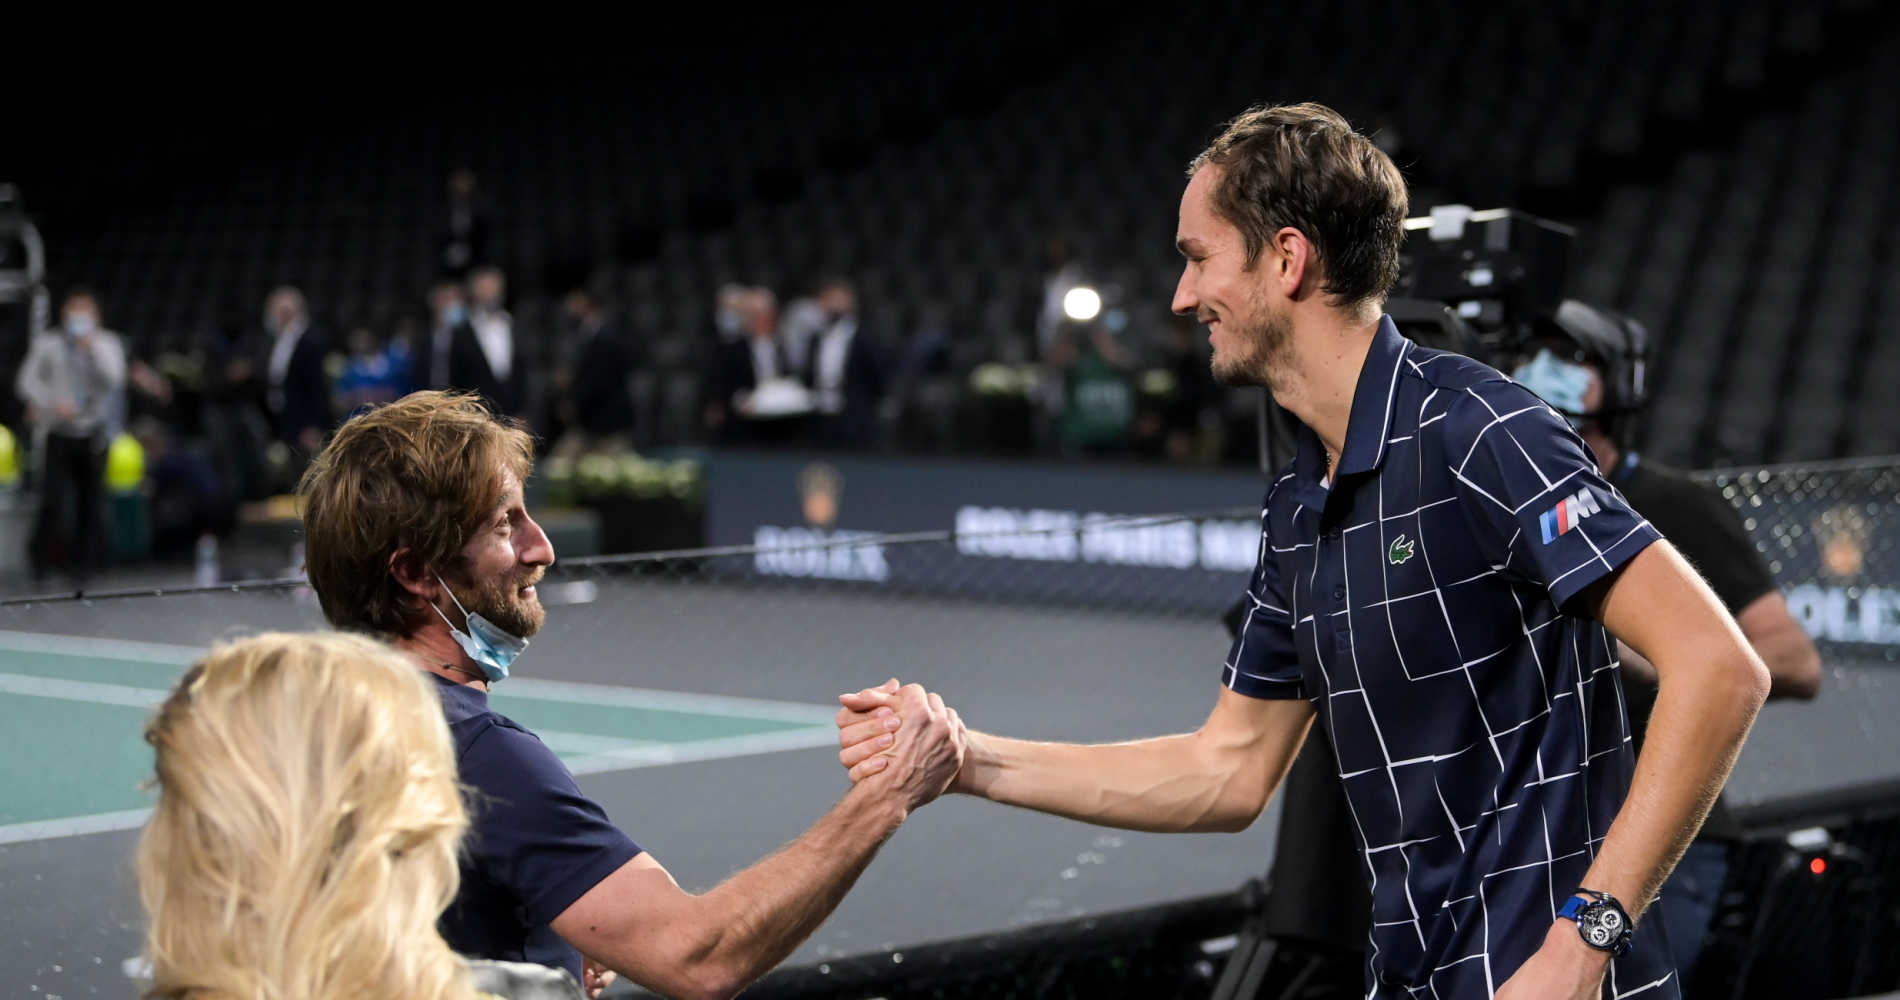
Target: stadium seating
x=1728, y=167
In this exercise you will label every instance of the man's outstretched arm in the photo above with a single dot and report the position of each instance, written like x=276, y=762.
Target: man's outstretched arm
x=1217, y=778
x=639, y=922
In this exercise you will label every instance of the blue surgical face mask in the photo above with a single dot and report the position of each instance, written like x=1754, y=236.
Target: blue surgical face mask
x=1561, y=383
x=486, y=643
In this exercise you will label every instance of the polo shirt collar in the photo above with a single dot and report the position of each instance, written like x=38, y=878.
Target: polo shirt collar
x=1370, y=424
x=459, y=701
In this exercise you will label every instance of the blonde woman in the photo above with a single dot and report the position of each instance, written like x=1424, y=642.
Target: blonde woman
x=305, y=836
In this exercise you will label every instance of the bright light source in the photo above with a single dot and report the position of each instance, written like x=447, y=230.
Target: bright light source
x=1818, y=866
x=1082, y=303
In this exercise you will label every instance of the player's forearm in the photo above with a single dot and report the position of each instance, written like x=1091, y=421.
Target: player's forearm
x=1170, y=784
x=1701, y=716
x=1793, y=664
x=753, y=920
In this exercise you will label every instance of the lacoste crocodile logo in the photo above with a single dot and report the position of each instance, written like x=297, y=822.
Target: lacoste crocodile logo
x=1401, y=550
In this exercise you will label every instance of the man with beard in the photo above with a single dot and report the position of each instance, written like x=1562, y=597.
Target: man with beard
x=1437, y=568
x=416, y=531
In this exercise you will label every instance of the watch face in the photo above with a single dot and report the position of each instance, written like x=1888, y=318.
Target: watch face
x=1600, y=935
x=1601, y=925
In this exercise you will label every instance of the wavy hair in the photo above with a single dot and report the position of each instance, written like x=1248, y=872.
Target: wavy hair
x=1302, y=165
x=304, y=842
x=422, y=472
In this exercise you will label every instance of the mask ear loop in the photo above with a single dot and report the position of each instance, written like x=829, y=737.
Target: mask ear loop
x=452, y=597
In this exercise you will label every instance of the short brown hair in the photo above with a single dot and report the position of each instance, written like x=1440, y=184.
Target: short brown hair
x=418, y=473
x=1302, y=165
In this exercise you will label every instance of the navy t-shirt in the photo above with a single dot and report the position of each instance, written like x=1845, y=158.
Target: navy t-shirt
x=536, y=842
x=1423, y=598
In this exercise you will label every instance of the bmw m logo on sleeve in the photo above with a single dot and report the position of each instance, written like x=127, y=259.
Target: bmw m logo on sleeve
x=1568, y=512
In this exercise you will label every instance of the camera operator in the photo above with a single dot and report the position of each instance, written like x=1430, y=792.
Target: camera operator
x=1588, y=364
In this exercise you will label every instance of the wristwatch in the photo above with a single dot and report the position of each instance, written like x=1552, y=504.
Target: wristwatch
x=1601, y=922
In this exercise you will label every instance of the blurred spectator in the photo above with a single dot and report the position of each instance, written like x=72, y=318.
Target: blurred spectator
x=728, y=331
x=233, y=413
x=464, y=241
x=593, y=407
x=482, y=356
x=297, y=389
x=729, y=310
x=1063, y=273
x=758, y=399
x=373, y=372
x=1099, y=403
x=1175, y=395
x=72, y=380
x=188, y=500
x=448, y=314
x=801, y=323
x=844, y=370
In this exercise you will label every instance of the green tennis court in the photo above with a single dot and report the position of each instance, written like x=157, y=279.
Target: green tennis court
x=74, y=708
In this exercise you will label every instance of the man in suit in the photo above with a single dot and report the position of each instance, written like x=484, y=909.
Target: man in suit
x=592, y=403
x=482, y=354
x=844, y=371
x=296, y=387
x=463, y=243
x=754, y=360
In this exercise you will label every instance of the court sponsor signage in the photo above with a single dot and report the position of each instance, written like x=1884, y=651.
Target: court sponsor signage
x=1041, y=531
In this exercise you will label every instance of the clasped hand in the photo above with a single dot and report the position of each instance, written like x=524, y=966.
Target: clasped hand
x=905, y=733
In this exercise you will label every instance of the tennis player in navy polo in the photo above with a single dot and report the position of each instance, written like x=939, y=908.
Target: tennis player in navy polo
x=1437, y=569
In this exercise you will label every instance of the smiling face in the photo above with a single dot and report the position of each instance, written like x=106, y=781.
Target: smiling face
x=501, y=564
x=1250, y=334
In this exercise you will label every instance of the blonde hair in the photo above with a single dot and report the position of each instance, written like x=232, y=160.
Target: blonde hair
x=304, y=842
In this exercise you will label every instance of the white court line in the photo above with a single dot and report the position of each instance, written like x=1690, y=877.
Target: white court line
x=538, y=689
x=86, y=691
x=592, y=754
x=661, y=754
x=731, y=706
x=111, y=649
x=73, y=826
x=587, y=744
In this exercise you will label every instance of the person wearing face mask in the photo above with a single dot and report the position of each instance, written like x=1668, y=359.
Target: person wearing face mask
x=1588, y=363
x=416, y=531
x=71, y=384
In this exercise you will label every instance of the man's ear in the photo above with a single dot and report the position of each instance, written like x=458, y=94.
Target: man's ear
x=1291, y=256
x=413, y=575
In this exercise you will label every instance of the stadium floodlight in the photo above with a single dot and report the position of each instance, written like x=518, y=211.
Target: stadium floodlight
x=1082, y=303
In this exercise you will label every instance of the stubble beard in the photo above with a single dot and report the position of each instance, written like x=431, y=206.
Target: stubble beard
x=1264, y=352
x=500, y=602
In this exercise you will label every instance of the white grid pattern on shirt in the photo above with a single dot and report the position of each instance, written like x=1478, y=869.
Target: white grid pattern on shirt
x=1547, y=487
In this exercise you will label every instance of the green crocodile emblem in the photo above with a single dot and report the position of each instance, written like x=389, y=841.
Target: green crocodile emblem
x=1401, y=550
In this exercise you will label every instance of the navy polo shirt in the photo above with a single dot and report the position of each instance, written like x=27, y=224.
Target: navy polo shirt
x=536, y=842
x=1419, y=600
